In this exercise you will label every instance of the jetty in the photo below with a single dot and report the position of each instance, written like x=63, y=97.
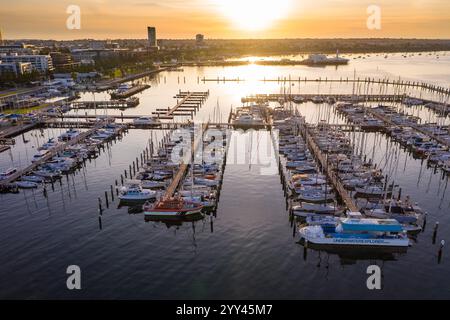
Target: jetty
x=289, y=79
x=328, y=170
x=188, y=104
x=170, y=191
x=416, y=127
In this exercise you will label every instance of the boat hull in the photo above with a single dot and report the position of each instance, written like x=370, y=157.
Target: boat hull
x=358, y=242
x=174, y=213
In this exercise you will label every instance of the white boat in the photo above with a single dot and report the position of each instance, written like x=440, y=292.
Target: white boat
x=247, y=119
x=371, y=190
x=150, y=184
x=136, y=193
x=316, y=196
x=8, y=173
x=39, y=156
x=26, y=184
x=69, y=135
x=123, y=87
x=50, y=174
x=51, y=143
x=357, y=232
x=146, y=121
x=35, y=179
x=206, y=182
x=306, y=209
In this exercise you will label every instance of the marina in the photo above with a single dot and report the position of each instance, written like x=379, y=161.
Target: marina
x=344, y=177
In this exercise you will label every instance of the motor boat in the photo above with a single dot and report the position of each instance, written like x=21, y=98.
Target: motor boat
x=134, y=192
x=172, y=207
x=357, y=232
x=7, y=174
x=69, y=135
x=146, y=121
x=26, y=184
x=40, y=155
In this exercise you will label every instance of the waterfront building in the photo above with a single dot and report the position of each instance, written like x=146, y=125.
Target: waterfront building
x=17, y=68
x=41, y=63
x=63, y=60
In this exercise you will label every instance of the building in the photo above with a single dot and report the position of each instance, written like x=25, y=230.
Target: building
x=152, y=42
x=19, y=48
x=63, y=60
x=199, y=39
x=41, y=63
x=16, y=68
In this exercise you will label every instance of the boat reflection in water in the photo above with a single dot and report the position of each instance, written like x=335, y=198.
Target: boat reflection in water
x=349, y=256
x=176, y=221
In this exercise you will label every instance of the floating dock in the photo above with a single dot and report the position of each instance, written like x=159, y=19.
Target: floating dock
x=189, y=104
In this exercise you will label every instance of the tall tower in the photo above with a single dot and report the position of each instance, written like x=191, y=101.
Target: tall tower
x=1, y=39
x=151, y=37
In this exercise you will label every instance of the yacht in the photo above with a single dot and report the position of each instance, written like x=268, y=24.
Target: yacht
x=357, y=232
x=133, y=191
x=172, y=207
x=8, y=173
x=40, y=155
x=146, y=121
x=69, y=135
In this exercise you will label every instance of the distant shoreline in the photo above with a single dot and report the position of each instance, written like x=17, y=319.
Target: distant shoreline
x=259, y=47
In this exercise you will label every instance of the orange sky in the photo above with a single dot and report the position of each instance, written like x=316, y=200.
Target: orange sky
x=102, y=19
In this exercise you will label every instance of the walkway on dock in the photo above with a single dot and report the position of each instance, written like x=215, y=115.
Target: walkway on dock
x=332, y=176
x=289, y=79
x=190, y=102
x=386, y=120
x=170, y=191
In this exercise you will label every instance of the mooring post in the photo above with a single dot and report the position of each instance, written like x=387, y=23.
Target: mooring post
x=100, y=209
x=440, y=250
x=436, y=226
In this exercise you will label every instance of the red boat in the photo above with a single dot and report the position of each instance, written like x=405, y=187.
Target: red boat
x=171, y=207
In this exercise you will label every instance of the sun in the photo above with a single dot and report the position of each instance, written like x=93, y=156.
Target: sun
x=254, y=15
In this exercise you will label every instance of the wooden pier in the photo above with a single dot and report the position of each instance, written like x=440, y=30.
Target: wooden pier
x=290, y=79
x=387, y=121
x=331, y=175
x=189, y=104
x=16, y=130
x=170, y=191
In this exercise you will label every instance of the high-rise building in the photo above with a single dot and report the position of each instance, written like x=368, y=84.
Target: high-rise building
x=199, y=38
x=152, y=43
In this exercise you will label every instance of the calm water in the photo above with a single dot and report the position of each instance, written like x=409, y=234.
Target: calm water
x=247, y=250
